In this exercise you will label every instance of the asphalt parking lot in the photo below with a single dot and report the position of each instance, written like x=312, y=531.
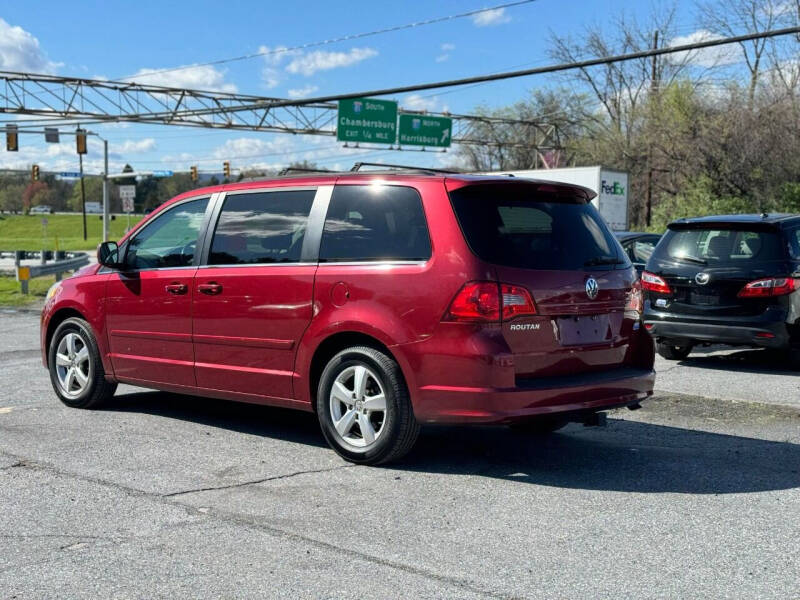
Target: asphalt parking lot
x=695, y=495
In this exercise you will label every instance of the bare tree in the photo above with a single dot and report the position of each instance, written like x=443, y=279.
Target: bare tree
x=737, y=17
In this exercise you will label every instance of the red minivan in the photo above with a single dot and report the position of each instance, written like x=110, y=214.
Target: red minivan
x=379, y=301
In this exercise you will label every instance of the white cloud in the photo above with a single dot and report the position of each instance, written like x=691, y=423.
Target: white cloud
x=199, y=77
x=427, y=103
x=20, y=51
x=706, y=57
x=273, y=58
x=447, y=48
x=59, y=157
x=320, y=60
x=251, y=147
x=302, y=92
x=496, y=16
x=134, y=146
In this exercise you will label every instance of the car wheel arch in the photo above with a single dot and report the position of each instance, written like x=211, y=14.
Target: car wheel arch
x=331, y=346
x=58, y=317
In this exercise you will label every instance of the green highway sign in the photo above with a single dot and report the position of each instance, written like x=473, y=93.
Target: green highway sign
x=422, y=130
x=367, y=120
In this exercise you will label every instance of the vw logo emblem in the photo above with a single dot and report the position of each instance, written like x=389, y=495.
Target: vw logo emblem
x=702, y=278
x=592, y=288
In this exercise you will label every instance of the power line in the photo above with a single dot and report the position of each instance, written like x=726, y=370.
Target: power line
x=524, y=72
x=344, y=38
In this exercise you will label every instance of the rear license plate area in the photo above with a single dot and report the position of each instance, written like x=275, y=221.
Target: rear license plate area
x=704, y=299
x=590, y=329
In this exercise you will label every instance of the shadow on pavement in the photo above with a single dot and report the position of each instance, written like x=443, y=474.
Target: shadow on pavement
x=279, y=423
x=626, y=456
x=760, y=361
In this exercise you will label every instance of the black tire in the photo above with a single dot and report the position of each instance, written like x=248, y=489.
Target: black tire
x=97, y=390
x=539, y=426
x=398, y=427
x=672, y=351
x=793, y=358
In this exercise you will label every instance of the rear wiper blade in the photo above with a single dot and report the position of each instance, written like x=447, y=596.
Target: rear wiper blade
x=692, y=259
x=602, y=260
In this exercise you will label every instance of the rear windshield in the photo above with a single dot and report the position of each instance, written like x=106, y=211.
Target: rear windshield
x=522, y=226
x=720, y=246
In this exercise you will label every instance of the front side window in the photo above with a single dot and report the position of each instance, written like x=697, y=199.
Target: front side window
x=170, y=240
x=374, y=223
x=261, y=228
x=641, y=250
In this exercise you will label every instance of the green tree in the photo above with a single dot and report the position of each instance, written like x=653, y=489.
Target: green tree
x=697, y=200
x=11, y=196
x=93, y=187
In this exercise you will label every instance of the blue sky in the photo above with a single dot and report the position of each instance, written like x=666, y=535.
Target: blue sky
x=116, y=39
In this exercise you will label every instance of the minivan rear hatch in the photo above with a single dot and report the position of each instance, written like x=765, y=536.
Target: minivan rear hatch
x=550, y=240
x=706, y=265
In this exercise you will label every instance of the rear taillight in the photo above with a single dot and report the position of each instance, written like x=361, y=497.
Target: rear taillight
x=484, y=301
x=771, y=286
x=476, y=301
x=634, y=300
x=654, y=283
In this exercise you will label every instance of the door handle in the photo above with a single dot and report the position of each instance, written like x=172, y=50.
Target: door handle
x=177, y=288
x=211, y=288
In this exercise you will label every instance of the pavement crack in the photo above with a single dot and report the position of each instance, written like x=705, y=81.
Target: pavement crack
x=253, y=522
x=254, y=481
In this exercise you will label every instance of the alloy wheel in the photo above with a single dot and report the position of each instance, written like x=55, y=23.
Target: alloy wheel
x=73, y=365
x=358, y=407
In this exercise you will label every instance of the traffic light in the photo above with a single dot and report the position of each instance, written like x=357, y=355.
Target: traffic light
x=80, y=141
x=12, y=138
x=193, y=170
x=226, y=168
x=35, y=173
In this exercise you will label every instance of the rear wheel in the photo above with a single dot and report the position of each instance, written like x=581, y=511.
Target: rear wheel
x=793, y=358
x=539, y=426
x=672, y=351
x=364, y=408
x=76, y=371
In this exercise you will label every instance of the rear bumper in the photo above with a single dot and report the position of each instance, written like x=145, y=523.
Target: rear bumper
x=589, y=392
x=768, y=329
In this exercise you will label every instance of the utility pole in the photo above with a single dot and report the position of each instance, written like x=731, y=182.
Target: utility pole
x=653, y=93
x=106, y=199
x=83, y=196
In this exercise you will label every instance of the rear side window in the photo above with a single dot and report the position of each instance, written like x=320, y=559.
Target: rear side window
x=721, y=246
x=261, y=228
x=522, y=226
x=373, y=223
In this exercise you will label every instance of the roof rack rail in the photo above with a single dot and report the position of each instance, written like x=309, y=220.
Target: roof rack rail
x=288, y=170
x=357, y=167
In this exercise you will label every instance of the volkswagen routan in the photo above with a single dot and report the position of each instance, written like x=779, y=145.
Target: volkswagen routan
x=379, y=301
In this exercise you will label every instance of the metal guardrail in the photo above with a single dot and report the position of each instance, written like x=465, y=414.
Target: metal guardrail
x=34, y=254
x=60, y=265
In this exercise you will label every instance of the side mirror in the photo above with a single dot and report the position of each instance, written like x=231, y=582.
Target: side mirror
x=108, y=254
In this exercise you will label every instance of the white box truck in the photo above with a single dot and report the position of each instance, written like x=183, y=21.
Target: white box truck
x=610, y=186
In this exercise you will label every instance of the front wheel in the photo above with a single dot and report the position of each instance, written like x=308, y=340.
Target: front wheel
x=76, y=371
x=364, y=408
x=672, y=351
